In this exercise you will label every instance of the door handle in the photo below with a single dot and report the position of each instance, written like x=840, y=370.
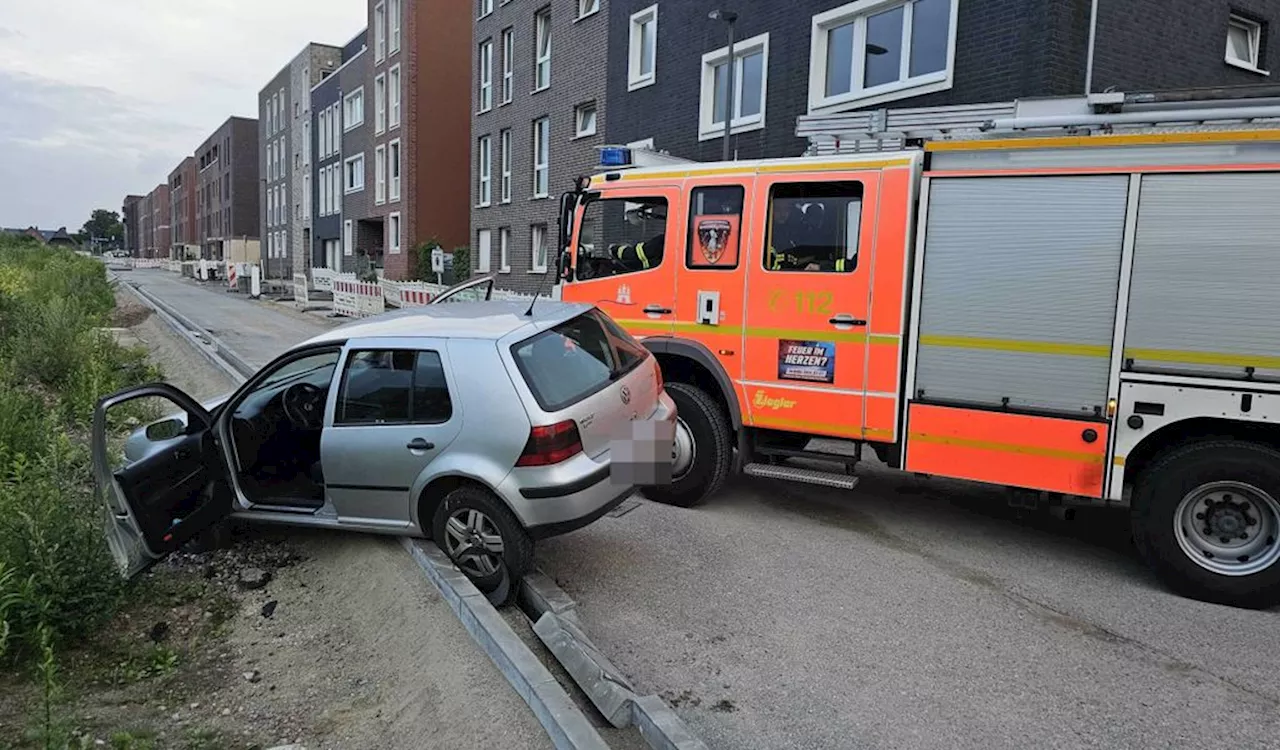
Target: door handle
x=656, y=310
x=182, y=454
x=845, y=319
x=418, y=444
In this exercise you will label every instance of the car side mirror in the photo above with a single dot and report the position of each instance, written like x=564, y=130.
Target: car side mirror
x=167, y=429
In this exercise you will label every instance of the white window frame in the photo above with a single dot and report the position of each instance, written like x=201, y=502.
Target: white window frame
x=306, y=142
x=271, y=208
x=394, y=170
x=587, y=8
x=1254, y=30
x=541, y=61
x=486, y=75
x=348, y=237
x=484, y=249
x=508, y=63
x=380, y=104
x=395, y=9
x=393, y=97
x=504, y=250
x=395, y=230
x=349, y=121
x=379, y=32
x=636, y=79
x=284, y=204
x=322, y=209
x=504, y=148
x=484, y=170
x=486, y=7
x=306, y=197
x=380, y=175
x=541, y=157
x=578, y=113
x=537, y=232
x=707, y=129
x=348, y=164
x=857, y=12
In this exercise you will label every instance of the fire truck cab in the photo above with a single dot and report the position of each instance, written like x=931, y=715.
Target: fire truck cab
x=1082, y=318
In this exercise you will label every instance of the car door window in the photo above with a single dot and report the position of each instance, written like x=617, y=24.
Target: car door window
x=314, y=369
x=814, y=227
x=620, y=236
x=393, y=386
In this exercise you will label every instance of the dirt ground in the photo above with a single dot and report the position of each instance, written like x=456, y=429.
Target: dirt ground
x=344, y=645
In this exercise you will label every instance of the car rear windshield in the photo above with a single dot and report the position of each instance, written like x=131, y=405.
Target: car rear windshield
x=566, y=364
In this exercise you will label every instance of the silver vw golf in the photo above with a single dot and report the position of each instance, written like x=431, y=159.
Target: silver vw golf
x=482, y=425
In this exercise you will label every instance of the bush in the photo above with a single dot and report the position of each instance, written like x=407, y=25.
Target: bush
x=57, y=581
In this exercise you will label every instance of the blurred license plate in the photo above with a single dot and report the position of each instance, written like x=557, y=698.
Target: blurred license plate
x=642, y=454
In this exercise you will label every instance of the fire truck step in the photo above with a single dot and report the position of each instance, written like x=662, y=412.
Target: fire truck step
x=806, y=476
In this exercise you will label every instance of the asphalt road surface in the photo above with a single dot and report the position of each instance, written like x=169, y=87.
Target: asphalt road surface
x=908, y=613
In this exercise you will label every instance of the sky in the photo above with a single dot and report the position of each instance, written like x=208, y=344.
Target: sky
x=102, y=98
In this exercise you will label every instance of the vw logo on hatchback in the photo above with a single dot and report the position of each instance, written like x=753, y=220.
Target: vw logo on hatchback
x=626, y=394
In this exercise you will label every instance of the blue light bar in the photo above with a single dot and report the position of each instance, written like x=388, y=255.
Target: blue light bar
x=615, y=156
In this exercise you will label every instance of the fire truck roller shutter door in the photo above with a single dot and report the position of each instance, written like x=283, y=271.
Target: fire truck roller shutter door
x=1205, y=264
x=1019, y=291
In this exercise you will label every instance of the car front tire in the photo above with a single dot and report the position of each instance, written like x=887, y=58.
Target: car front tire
x=702, y=419
x=481, y=536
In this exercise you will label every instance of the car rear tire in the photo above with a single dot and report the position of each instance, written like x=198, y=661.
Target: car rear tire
x=712, y=442
x=1195, y=497
x=464, y=526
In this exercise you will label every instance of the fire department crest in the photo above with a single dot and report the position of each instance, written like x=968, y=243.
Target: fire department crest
x=713, y=238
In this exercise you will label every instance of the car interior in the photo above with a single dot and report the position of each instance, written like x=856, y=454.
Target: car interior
x=275, y=434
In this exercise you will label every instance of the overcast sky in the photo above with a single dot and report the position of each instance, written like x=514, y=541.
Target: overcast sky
x=100, y=98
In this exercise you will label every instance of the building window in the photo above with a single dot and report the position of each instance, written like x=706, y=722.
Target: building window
x=380, y=175
x=380, y=104
x=271, y=207
x=504, y=250
x=486, y=7
x=393, y=97
x=284, y=204
x=485, y=171
x=393, y=166
x=504, y=139
x=587, y=7
x=751, y=78
x=872, y=51
x=508, y=74
x=484, y=248
x=393, y=234
x=306, y=196
x=322, y=130
x=542, y=49
x=541, y=157
x=1244, y=43
x=348, y=237
x=379, y=32
x=306, y=142
x=585, y=117
x=643, y=54
x=353, y=109
x=538, y=247
x=353, y=174
x=486, y=75
x=814, y=227
x=393, y=22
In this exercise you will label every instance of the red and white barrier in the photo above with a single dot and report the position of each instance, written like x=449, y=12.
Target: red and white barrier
x=233, y=277
x=415, y=297
x=357, y=299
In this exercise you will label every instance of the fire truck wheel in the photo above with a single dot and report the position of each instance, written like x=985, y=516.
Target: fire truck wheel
x=1206, y=517
x=708, y=442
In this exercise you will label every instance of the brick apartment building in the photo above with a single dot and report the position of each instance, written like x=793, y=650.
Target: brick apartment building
x=145, y=233
x=828, y=56
x=539, y=110
x=158, y=230
x=284, y=158
x=227, y=192
x=129, y=216
x=184, y=239
x=326, y=163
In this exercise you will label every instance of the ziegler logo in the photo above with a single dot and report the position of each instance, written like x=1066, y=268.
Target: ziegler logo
x=772, y=402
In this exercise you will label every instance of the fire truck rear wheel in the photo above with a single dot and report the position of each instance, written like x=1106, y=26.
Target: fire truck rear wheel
x=1206, y=516
x=712, y=454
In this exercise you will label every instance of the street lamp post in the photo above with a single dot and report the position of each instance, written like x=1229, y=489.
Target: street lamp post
x=729, y=17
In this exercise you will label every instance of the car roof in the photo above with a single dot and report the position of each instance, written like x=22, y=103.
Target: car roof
x=470, y=320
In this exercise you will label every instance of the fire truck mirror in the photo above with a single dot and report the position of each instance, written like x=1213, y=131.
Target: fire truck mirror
x=566, y=265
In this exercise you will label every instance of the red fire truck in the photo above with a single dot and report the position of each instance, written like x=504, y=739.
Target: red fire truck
x=1077, y=300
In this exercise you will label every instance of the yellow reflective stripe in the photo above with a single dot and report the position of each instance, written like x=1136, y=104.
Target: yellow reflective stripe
x=1118, y=460
x=640, y=252
x=763, y=333
x=1026, y=450
x=843, y=430
x=1011, y=345
x=1205, y=358
x=1087, y=141
x=799, y=165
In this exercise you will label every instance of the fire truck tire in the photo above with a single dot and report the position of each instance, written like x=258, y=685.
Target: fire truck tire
x=1206, y=517
x=712, y=454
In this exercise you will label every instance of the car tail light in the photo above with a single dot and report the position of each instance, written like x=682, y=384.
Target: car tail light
x=551, y=444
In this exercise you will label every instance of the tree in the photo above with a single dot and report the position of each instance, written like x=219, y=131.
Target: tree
x=104, y=223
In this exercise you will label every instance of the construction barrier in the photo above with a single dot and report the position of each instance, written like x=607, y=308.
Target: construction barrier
x=357, y=299
x=415, y=297
x=300, y=289
x=322, y=279
x=233, y=277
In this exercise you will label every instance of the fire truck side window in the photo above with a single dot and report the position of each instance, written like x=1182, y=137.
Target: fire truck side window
x=715, y=227
x=814, y=226
x=621, y=236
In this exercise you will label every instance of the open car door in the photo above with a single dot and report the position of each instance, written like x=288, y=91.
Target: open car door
x=161, y=481
x=479, y=289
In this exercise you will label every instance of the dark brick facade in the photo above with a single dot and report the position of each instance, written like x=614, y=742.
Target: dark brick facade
x=355, y=76
x=131, y=217
x=182, y=208
x=228, y=189
x=580, y=49
x=1005, y=49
